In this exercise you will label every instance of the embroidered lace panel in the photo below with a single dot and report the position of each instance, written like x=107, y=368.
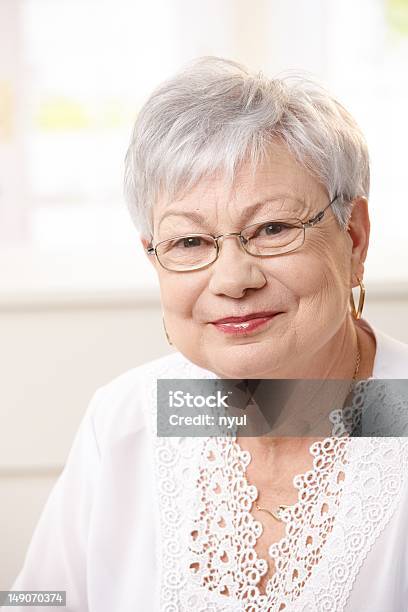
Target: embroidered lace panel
x=224, y=533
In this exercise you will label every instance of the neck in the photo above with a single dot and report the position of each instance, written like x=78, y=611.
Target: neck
x=276, y=449
x=335, y=358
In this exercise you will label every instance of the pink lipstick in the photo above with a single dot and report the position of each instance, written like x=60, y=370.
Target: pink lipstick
x=244, y=325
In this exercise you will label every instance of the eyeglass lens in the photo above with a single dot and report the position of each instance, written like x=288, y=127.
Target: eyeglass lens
x=262, y=239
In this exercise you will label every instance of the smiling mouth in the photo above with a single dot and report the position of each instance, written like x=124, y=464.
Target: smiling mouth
x=244, y=325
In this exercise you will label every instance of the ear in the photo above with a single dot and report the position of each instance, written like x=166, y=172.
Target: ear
x=359, y=232
x=146, y=243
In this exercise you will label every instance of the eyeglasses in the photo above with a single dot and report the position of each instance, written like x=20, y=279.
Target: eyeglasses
x=266, y=239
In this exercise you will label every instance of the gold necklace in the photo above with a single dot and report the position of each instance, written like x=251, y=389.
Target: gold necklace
x=277, y=514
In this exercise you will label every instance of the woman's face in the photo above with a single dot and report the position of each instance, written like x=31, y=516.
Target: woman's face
x=308, y=289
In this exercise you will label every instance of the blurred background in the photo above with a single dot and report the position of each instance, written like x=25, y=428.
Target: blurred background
x=78, y=302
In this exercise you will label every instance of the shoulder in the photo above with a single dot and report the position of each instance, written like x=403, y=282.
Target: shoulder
x=124, y=406
x=391, y=360
x=134, y=382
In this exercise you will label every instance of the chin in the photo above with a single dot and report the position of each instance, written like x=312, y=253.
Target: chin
x=244, y=361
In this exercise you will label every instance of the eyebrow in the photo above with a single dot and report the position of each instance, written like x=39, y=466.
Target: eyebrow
x=249, y=211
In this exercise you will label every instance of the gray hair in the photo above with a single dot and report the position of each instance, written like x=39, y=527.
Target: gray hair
x=215, y=114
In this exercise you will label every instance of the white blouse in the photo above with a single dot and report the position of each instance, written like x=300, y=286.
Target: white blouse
x=142, y=523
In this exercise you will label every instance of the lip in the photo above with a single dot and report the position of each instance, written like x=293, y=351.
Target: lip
x=248, y=317
x=244, y=325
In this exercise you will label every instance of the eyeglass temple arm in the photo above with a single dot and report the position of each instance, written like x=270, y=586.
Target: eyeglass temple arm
x=319, y=215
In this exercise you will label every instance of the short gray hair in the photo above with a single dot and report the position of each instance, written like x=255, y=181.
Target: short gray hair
x=215, y=114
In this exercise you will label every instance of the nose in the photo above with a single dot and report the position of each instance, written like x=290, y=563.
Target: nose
x=235, y=270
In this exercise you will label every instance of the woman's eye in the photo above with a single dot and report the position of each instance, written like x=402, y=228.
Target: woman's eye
x=188, y=242
x=271, y=229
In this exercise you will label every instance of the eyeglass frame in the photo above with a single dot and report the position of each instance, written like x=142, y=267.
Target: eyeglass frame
x=304, y=224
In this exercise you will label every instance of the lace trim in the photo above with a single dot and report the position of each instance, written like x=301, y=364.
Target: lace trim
x=325, y=574
x=372, y=492
x=225, y=533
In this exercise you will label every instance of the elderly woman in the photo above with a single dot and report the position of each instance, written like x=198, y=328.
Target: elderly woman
x=250, y=196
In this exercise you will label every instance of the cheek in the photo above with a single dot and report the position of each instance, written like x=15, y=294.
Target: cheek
x=334, y=249
x=319, y=274
x=179, y=294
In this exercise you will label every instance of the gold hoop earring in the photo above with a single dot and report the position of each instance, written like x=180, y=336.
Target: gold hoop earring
x=167, y=335
x=356, y=313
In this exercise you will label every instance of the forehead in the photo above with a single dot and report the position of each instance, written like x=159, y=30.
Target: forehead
x=279, y=180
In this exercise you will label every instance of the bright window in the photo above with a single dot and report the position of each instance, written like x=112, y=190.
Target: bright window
x=74, y=73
